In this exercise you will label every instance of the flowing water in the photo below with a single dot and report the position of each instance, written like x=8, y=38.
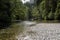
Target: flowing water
x=40, y=31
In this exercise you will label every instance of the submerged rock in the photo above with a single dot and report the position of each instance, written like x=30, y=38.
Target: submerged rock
x=28, y=23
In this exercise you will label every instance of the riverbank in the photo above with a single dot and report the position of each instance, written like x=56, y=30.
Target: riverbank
x=10, y=32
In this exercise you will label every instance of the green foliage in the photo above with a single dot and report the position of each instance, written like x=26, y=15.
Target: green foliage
x=18, y=9
x=42, y=9
x=35, y=13
x=51, y=16
x=50, y=9
x=57, y=12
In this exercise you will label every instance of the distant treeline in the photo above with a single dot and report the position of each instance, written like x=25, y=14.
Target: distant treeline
x=41, y=10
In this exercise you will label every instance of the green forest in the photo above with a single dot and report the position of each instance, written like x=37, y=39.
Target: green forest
x=41, y=10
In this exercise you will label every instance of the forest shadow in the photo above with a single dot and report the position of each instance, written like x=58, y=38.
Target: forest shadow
x=4, y=25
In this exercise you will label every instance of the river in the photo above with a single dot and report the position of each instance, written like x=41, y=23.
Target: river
x=40, y=31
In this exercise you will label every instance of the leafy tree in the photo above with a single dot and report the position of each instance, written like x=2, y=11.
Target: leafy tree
x=57, y=12
x=35, y=13
x=18, y=9
x=49, y=9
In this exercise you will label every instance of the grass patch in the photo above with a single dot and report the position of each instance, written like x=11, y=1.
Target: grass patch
x=11, y=32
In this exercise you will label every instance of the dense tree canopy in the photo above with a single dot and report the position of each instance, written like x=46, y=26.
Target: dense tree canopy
x=16, y=10
x=49, y=9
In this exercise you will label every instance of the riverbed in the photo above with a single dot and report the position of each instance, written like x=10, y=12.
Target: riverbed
x=40, y=31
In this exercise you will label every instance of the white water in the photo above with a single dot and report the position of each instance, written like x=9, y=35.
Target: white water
x=41, y=31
